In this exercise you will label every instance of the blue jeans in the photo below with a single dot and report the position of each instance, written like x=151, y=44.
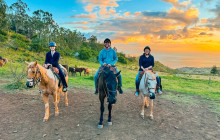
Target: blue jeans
x=137, y=82
x=97, y=74
x=62, y=77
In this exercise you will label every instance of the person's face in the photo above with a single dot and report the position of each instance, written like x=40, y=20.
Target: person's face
x=107, y=45
x=147, y=51
x=52, y=48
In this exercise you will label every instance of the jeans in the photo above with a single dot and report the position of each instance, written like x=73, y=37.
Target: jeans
x=97, y=74
x=62, y=77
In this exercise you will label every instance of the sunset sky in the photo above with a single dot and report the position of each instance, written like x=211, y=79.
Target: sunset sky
x=180, y=32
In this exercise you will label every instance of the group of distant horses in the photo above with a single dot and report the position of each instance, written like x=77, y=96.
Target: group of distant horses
x=107, y=86
x=74, y=70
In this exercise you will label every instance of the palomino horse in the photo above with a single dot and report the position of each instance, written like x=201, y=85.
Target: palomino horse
x=147, y=87
x=3, y=61
x=107, y=88
x=48, y=85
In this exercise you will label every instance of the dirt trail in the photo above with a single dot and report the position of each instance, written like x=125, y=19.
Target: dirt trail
x=21, y=118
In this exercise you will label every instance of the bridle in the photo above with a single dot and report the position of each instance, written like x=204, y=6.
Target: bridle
x=31, y=80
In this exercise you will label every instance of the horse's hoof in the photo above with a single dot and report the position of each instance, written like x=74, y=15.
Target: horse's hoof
x=67, y=104
x=142, y=116
x=45, y=120
x=56, y=113
x=109, y=123
x=100, y=126
x=151, y=117
x=146, y=106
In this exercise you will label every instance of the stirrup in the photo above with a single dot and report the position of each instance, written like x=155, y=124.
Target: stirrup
x=136, y=93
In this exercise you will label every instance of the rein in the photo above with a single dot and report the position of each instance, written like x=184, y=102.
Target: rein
x=35, y=82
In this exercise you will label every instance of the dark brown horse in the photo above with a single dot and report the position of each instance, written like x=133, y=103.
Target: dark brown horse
x=107, y=84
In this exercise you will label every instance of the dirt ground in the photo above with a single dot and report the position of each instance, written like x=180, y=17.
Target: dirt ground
x=21, y=118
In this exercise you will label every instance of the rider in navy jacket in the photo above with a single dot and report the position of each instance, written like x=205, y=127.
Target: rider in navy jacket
x=52, y=57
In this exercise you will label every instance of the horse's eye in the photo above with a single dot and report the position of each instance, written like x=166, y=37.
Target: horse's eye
x=33, y=71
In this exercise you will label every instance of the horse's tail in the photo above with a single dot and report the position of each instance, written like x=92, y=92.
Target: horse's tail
x=5, y=60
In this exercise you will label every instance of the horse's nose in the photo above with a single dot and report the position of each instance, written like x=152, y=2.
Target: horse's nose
x=28, y=84
x=152, y=96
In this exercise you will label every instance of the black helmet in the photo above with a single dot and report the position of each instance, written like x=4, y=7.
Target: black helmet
x=147, y=47
x=107, y=40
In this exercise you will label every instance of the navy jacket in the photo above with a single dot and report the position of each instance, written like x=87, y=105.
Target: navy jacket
x=52, y=60
x=146, y=62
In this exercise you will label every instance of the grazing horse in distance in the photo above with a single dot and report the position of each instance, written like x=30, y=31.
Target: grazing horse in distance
x=80, y=70
x=49, y=85
x=3, y=61
x=72, y=70
x=86, y=72
x=147, y=87
x=107, y=88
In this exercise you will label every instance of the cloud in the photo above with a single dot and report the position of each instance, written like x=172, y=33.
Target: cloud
x=175, y=3
x=86, y=16
x=215, y=22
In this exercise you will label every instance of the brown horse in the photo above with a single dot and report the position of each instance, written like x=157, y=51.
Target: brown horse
x=48, y=85
x=3, y=61
x=107, y=84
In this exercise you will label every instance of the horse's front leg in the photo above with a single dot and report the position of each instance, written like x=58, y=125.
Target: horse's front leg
x=142, y=108
x=151, y=109
x=109, y=114
x=46, y=103
x=55, y=101
x=146, y=102
x=102, y=108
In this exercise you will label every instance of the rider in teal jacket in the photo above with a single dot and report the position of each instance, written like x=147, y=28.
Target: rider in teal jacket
x=108, y=57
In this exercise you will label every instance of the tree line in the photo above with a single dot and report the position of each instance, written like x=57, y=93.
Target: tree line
x=36, y=31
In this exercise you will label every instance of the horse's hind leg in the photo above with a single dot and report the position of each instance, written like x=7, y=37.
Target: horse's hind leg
x=46, y=102
x=55, y=103
x=102, y=108
x=110, y=114
x=58, y=95
x=66, y=99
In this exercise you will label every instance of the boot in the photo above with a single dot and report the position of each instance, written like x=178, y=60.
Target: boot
x=137, y=92
x=120, y=90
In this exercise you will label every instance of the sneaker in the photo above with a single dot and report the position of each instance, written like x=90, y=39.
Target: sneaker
x=64, y=89
x=120, y=90
x=96, y=92
x=159, y=91
x=136, y=93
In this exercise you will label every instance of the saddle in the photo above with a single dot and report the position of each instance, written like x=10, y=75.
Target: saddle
x=55, y=71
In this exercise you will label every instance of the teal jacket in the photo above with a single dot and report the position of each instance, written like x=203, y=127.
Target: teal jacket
x=108, y=56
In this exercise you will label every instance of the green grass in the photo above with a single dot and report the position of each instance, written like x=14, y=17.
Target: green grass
x=192, y=86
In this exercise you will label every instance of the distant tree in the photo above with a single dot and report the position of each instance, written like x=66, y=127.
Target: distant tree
x=18, y=10
x=214, y=70
x=3, y=7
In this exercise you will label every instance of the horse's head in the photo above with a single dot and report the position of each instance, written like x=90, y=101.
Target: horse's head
x=151, y=83
x=110, y=79
x=33, y=74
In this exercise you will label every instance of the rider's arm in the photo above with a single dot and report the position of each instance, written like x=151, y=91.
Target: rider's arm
x=56, y=60
x=100, y=58
x=115, y=58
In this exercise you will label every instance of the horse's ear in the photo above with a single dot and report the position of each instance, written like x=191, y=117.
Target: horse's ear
x=117, y=74
x=26, y=62
x=35, y=63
